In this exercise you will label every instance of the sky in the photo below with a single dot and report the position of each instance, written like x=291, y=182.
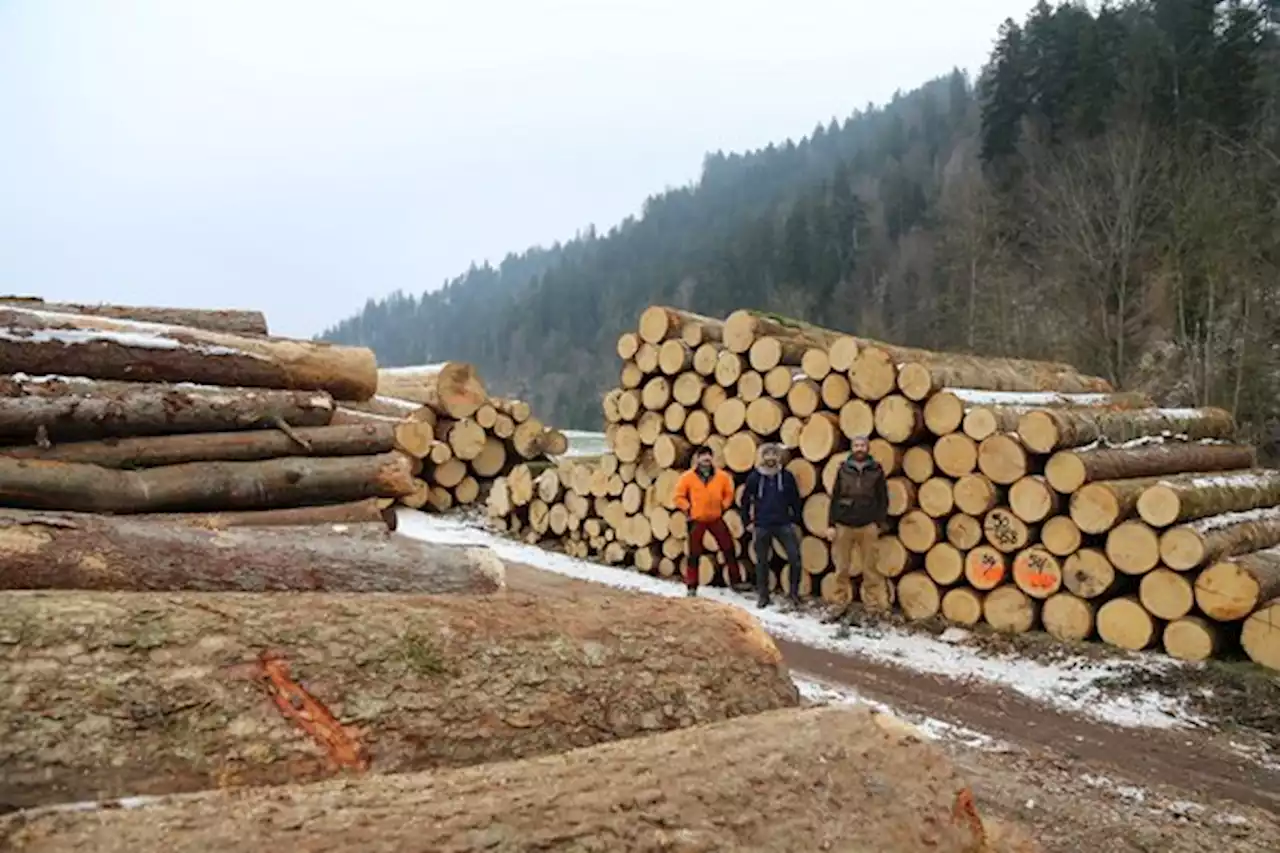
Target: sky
x=302, y=157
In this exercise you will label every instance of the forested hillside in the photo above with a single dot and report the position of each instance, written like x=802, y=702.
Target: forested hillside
x=1106, y=192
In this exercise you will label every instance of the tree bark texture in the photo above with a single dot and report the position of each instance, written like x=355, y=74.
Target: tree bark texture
x=43, y=550
x=212, y=320
x=1068, y=470
x=681, y=790
x=1197, y=495
x=1047, y=430
x=136, y=693
x=204, y=486
x=948, y=370
x=41, y=342
x=1219, y=536
x=241, y=446
x=453, y=388
x=71, y=409
x=659, y=323
x=370, y=511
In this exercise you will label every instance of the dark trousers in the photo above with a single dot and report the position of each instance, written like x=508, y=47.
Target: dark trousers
x=720, y=532
x=786, y=534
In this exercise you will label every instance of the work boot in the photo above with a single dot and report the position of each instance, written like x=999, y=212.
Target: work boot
x=762, y=602
x=691, y=592
x=792, y=604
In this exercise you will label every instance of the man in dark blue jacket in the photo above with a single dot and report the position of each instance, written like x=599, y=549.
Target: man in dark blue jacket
x=771, y=507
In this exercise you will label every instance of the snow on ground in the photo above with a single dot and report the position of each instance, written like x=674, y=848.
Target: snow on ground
x=1071, y=683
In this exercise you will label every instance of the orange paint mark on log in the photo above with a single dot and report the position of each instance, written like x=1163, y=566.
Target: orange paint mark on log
x=308, y=713
x=965, y=811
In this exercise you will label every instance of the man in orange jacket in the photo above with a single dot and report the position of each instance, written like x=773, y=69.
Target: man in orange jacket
x=703, y=493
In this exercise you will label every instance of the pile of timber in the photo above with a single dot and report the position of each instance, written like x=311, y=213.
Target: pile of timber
x=1023, y=494
x=465, y=438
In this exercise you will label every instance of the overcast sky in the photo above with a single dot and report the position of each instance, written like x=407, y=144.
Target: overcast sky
x=300, y=157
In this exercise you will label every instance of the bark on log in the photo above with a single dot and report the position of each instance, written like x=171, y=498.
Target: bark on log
x=1232, y=589
x=659, y=323
x=232, y=321
x=371, y=511
x=54, y=550
x=204, y=486
x=454, y=388
x=1047, y=430
x=41, y=342
x=243, y=446
x=1068, y=470
x=930, y=372
x=428, y=682
x=1192, y=638
x=619, y=797
x=393, y=407
x=70, y=408
x=989, y=412
x=743, y=328
x=1190, y=496
x=1100, y=506
x=1219, y=536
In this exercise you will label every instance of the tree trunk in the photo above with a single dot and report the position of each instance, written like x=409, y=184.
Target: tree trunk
x=744, y=327
x=1190, y=496
x=68, y=409
x=1133, y=547
x=624, y=797
x=161, y=693
x=1089, y=574
x=247, y=445
x=212, y=320
x=917, y=379
x=1192, y=638
x=373, y=511
x=1167, y=594
x=1124, y=623
x=1260, y=636
x=1010, y=610
x=1231, y=589
x=1100, y=506
x=963, y=606
x=1003, y=459
x=1032, y=500
x=204, y=486
x=77, y=345
x=1219, y=536
x=1047, y=430
x=54, y=550
x=1068, y=470
x=453, y=388
x=395, y=408
x=659, y=323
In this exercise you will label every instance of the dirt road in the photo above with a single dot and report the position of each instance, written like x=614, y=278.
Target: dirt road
x=1079, y=784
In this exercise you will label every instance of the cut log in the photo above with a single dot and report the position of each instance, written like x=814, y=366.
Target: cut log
x=1003, y=458
x=806, y=476
x=985, y=568
x=673, y=418
x=628, y=344
x=943, y=413
x=1089, y=574
x=1231, y=589
x=898, y=419
x=650, y=426
x=769, y=352
x=1068, y=470
x=248, y=445
x=910, y=799
x=750, y=386
x=935, y=497
x=841, y=353
x=658, y=323
x=729, y=367
x=1192, y=638
x=1067, y=617
x=195, y=486
x=1032, y=500
x=371, y=511
x=671, y=452
x=964, y=531
x=944, y=563
x=902, y=495
x=743, y=328
x=1060, y=536
x=892, y=557
x=814, y=513
x=1260, y=636
x=233, y=322
x=44, y=550
x=1219, y=536
x=889, y=455
x=821, y=437
x=457, y=653
x=836, y=391
x=918, y=464
x=77, y=345
x=804, y=398
x=453, y=388
x=1047, y=430
x=467, y=439
x=976, y=495
x=815, y=363
x=674, y=357
x=1005, y=530
x=449, y=473
x=1010, y=610
x=730, y=417
x=697, y=427
x=1191, y=496
x=1167, y=594
x=989, y=412
x=918, y=531
x=630, y=377
x=740, y=452
x=918, y=596
x=688, y=389
x=1037, y=572
x=1124, y=623
x=1098, y=507
x=956, y=454
x=69, y=408
x=765, y=416
x=647, y=358
x=874, y=375
x=777, y=382
x=931, y=372
x=1133, y=547
x=857, y=418
x=963, y=606
x=704, y=359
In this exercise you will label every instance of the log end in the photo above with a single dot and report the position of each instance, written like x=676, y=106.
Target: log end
x=1039, y=431
x=1159, y=506
x=1065, y=472
x=1181, y=548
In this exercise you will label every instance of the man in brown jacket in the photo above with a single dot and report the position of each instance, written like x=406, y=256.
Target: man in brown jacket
x=859, y=510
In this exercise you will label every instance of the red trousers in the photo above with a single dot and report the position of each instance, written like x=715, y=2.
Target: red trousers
x=720, y=532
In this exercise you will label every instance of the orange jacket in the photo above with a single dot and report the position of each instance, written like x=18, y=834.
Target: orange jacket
x=704, y=501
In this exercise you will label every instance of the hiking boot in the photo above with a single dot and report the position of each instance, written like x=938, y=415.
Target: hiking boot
x=762, y=603
x=691, y=592
x=743, y=587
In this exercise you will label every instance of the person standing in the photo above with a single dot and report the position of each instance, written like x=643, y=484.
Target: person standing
x=859, y=510
x=771, y=506
x=703, y=493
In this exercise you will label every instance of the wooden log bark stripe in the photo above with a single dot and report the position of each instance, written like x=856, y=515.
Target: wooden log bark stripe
x=309, y=713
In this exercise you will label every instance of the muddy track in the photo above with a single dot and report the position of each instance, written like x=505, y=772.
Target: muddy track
x=1142, y=756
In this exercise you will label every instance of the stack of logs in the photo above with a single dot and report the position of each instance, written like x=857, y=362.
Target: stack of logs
x=1023, y=494
x=465, y=437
